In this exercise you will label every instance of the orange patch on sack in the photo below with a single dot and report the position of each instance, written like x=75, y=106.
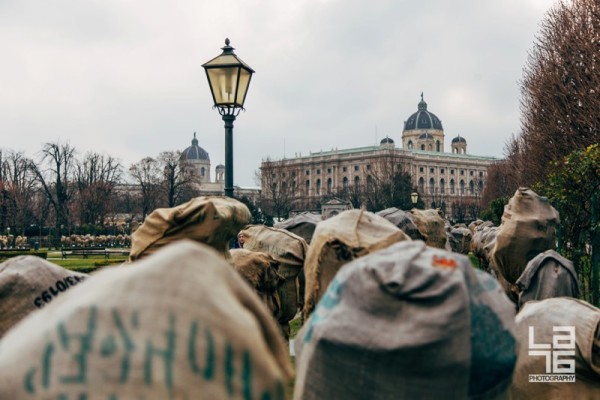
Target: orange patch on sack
x=444, y=262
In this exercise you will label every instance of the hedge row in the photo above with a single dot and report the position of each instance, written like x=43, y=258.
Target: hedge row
x=4, y=254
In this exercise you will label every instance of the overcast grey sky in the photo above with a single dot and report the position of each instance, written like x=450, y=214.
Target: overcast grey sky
x=125, y=77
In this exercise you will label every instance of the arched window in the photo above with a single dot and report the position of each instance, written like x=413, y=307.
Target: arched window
x=307, y=187
x=461, y=187
x=422, y=147
x=471, y=188
x=410, y=145
x=431, y=185
x=421, y=185
x=202, y=171
x=356, y=182
x=284, y=187
x=318, y=186
x=442, y=186
x=329, y=182
x=437, y=146
x=274, y=188
x=345, y=183
x=452, y=186
x=369, y=182
x=480, y=186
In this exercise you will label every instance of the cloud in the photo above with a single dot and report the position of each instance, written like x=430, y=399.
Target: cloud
x=125, y=78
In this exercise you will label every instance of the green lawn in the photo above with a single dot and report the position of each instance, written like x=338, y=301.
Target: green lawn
x=87, y=265
x=294, y=328
x=474, y=260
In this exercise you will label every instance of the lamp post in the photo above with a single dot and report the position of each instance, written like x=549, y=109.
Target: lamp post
x=229, y=79
x=414, y=197
x=9, y=241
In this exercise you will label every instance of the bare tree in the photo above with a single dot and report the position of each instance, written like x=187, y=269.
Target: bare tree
x=560, y=101
x=127, y=199
x=459, y=211
x=279, y=189
x=146, y=173
x=55, y=173
x=96, y=176
x=17, y=185
x=387, y=184
x=353, y=194
x=177, y=182
x=42, y=212
x=501, y=182
x=4, y=195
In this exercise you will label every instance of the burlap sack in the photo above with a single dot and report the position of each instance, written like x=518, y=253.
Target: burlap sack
x=213, y=220
x=302, y=224
x=430, y=222
x=290, y=250
x=260, y=270
x=544, y=316
x=482, y=244
x=339, y=240
x=407, y=322
x=28, y=283
x=548, y=275
x=461, y=240
x=473, y=225
x=405, y=221
x=528, y=228
x=180, y=324
x=479, y=226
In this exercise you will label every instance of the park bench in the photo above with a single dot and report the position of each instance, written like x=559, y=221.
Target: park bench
x=84, y=251
x=118, y=252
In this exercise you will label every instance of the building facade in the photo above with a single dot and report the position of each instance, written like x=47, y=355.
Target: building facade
x=198, y=163
x=445, y=180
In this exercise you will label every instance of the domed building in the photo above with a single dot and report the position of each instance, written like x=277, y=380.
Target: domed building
x=198, y=162
x=198, y=159
x=423, y=130
x=220, y=172
x=449, y=181
x=386, y=141
x=459, y=145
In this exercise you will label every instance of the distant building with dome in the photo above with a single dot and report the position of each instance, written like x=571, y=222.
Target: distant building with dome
x=444, y=180
x=198, y=161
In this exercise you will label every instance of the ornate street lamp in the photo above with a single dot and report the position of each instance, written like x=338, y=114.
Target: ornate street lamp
x=229, y=79
x=414, y=197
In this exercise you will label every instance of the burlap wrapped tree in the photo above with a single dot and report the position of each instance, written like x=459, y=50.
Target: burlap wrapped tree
x=29, y=283
x=179, y=324
x=408, y=322
x=528, y=228
x=290, y=251
x=432, y=225
x=261, y=271
x=339, y=240
x=213, y=220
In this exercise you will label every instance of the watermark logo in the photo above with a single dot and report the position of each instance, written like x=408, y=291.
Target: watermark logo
x=559, y=355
